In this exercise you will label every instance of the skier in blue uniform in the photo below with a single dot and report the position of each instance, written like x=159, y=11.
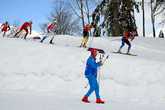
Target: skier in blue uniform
x=91, y=75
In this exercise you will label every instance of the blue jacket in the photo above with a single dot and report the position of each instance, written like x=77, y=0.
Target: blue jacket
x=91, y=67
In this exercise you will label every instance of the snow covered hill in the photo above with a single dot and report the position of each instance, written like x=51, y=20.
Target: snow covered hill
x=35, y=76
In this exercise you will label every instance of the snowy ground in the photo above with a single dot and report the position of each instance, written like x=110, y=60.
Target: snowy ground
x=35, y=76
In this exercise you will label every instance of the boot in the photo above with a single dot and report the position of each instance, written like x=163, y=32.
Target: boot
x=85, y=99
x=99, y=101
x=84, y=46
x=119, y=51
x=51, y=42
x=81, y=45
x=128, y=51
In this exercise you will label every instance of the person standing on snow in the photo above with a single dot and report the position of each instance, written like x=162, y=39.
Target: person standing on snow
x=4, y=28
x=161, y=34
x=50, y=28
x=125, y=39
x=91, y=75
x=25, y=27
x=86, y=30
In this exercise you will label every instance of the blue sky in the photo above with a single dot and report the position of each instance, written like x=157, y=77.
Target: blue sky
x=24, y=10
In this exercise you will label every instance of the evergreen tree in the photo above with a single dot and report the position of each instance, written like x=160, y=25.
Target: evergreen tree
x=118, y=16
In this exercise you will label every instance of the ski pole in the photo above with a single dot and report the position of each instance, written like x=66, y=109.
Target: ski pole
x=99, y=76
x=101, y=58
x=105, y=59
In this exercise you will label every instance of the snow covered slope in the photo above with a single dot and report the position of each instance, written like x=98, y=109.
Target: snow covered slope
x=35, y=76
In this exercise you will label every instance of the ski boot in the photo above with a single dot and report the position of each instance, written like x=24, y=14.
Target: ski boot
x=51, y=42
x=85, y=99
x=99, y=101
x=119, y=51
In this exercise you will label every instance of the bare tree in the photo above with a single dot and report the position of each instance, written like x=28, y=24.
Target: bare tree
x=87, y=10
x=66, y=22
x=157, y=8
x=78, y=8
x=83, y=9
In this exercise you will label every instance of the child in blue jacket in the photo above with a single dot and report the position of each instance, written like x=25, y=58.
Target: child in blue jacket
x=91, y=75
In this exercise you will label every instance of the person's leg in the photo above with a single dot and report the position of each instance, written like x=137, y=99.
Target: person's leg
x=82, y=41
x=91, y=81
x=4, y=33
x=122, y=44
x=17, y=33
x=43, y=38
x=91, y=89
x=96, y=88
x=51, y=41
x=26, y=30
x=84, y=37
x=98, y=99
x=85, y=42
x=129, y=46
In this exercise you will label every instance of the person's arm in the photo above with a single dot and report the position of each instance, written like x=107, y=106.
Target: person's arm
x=92, y=63
x=30, y=29
x=55, y=26
x=132, y=36
x=2, y=25
x=8, y=27
x=48, y=30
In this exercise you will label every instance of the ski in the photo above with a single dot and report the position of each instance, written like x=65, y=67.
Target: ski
x=130, y=54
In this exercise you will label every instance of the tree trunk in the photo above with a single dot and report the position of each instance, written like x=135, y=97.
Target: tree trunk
x=143, y=18
x=153, y=20
x=82, y=13
x=116, y=27
x=88, y=13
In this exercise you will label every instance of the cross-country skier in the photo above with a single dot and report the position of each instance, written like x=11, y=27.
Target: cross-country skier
x=25, y=27
x=125, y=39
x=86, y=30
x=13, y=30
x=91, y=75
x=4, y=28
x=50, y=28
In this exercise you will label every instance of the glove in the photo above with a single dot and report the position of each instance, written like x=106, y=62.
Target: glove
x=100, y=63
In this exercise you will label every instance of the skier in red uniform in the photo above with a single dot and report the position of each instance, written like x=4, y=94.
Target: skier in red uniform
x=25, y=27
x=50, y=28
x=4, y=28
x=125, y=39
